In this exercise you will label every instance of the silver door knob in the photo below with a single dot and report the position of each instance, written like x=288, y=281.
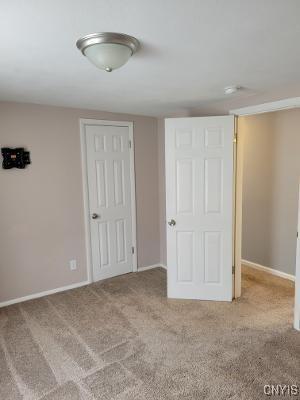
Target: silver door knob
x=95, y=216
x=172, y=222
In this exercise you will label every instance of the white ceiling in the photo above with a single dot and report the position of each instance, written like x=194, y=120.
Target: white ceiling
x=190, y=50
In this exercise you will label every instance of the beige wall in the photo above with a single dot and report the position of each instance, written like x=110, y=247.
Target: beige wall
x=42, y=225
x=270, y=188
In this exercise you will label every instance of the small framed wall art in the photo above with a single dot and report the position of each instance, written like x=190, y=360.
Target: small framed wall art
x=15, y=158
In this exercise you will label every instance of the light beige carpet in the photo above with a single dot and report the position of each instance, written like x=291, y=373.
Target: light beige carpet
x=123, y=339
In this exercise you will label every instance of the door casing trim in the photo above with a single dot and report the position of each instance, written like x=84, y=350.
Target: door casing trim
x=83, y=122
x=279, y=105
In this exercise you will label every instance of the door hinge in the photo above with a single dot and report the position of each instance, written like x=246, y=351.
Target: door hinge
x=132, y=249
x=233, y=269
x=235, y=138
x=129, y=143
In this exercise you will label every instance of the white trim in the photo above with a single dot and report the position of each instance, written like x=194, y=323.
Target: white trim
x=64, y=288
x=164, y=266
x=141, y=269
x=42, y=294
x=133, y=201
x=297, y=281
x=297, y=317
x=102, y=122
x=238, y=215
x=284, y=104
x=269, y=270
x=85, y=203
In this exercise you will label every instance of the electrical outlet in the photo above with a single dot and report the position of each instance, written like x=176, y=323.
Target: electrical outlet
x=73, y=265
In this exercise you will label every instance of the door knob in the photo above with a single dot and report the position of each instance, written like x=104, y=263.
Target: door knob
x=95, y=216
x=172, y=222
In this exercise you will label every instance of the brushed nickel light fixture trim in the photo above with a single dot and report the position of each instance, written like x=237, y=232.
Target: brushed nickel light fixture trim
x=232, y=89
x=108, y=50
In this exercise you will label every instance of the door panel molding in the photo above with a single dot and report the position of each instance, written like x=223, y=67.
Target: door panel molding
x=101, y=146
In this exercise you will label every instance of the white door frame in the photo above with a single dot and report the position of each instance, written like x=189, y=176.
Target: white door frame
x=83, y=122
x=297, y=275
x=285, y=104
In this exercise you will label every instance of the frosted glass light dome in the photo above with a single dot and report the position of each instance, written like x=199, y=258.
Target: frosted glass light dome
x=108, y=56
x=108, y=50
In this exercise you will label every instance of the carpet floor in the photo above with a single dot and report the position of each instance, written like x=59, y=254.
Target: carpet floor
x=122, y=339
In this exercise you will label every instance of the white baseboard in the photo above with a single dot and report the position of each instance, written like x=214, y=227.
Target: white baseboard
x=64, y=288
x=269, y=270
x=140, y=269
x=42, y=294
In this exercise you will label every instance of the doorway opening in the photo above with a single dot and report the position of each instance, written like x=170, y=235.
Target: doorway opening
x=267, y=204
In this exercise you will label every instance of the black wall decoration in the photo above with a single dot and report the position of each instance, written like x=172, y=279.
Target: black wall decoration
x=15, y=158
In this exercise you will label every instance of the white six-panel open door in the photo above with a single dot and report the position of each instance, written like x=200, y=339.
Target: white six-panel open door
x=199, y=207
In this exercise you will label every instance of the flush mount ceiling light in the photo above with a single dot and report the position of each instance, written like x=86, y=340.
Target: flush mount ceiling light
x=232, y=89
x=108, y=50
